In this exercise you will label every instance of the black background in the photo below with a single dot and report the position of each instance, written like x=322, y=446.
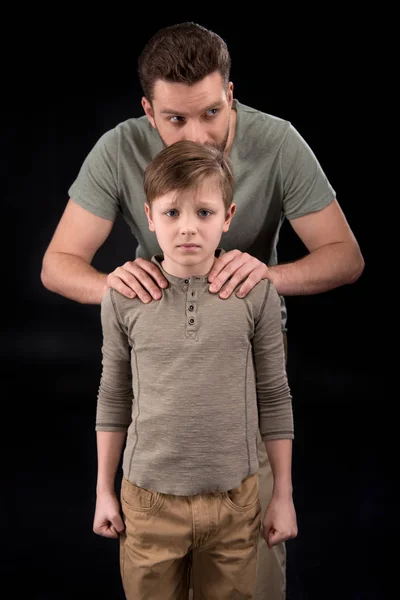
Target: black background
x=69, y=81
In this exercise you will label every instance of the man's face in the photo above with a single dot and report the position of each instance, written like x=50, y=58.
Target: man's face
x=189, y=227
x=198, y=113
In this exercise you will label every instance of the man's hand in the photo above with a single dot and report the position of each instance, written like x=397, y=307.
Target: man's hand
x=280, y=523
x=140, y=278
x=237, y=267
x=107, y=519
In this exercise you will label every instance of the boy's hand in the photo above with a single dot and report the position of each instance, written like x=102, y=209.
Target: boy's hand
x=138, y=277
x=237, y=267
x=280, y=523
x=107, y=518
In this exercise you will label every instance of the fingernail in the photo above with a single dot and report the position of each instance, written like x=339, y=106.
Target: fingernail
x=224, y=294
x=213, y=288
x=157, y=295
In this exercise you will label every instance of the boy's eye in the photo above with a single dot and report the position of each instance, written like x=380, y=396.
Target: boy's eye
x=204, y=213
x=172, y=213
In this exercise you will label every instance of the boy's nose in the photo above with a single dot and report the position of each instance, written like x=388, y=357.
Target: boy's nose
x=188, y=226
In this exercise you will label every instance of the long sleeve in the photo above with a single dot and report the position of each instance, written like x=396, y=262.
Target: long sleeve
x=273, y=392
x=115, y=395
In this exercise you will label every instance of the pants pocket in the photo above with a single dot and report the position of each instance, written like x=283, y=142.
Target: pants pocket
x=139, y=499
x=245, y=496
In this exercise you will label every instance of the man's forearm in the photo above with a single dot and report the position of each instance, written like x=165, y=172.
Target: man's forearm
x=109, y=450
x=323, y=269
x=73, y=277
x=280, y=458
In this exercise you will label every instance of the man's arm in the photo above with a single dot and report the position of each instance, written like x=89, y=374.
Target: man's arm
x=334, y=259
x=67, y=269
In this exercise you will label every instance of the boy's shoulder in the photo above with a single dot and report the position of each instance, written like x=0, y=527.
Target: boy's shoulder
x=260, y=291
x=115, y=302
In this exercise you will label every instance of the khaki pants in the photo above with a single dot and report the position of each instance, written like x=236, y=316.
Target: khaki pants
x=164, y=533
x=271, y=564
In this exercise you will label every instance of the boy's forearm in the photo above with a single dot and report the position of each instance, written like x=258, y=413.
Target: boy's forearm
x=109, y=450
x=280, y=457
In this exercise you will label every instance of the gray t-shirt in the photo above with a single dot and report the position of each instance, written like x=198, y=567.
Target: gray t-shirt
x=192, y=379
x=276, y=176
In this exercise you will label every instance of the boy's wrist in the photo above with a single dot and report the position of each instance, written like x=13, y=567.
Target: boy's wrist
x=282, y=491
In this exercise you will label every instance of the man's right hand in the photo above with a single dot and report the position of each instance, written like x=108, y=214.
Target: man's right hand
x=140, y=277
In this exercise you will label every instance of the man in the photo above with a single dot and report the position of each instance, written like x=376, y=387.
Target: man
x=184, y=72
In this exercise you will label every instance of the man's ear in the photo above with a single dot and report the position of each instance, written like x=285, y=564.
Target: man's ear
x=230, y=93
x=148, y=110
x=148, y=215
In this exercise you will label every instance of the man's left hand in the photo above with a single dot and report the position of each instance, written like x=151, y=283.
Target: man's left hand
x=237, y=267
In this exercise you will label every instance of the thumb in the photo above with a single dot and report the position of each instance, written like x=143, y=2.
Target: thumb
x=117, y=523
x=274, y=537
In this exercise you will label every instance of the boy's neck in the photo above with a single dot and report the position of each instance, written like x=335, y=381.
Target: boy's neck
x=184, y=271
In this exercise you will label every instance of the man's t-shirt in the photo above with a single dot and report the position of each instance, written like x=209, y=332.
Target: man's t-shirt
x=276, y=176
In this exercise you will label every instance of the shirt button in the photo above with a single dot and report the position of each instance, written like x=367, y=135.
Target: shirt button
x=191, y=307
x=187, y=281
x=191, y=321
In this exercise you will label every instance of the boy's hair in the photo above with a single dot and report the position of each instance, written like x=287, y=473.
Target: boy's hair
x=186, y=165
x=182, y=53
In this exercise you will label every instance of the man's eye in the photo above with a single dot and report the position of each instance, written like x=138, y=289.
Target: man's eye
x=212, y=112
x=176, y=119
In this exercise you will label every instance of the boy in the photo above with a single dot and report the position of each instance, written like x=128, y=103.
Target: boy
x=184, y=496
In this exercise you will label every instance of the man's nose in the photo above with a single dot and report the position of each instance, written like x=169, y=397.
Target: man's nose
x=195, y=133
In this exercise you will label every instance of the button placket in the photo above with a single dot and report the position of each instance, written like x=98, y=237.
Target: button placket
x=191, y=313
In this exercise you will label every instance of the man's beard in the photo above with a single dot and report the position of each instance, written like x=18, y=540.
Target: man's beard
x=221, y=146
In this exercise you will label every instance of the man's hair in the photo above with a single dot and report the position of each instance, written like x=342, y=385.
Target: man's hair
x=182, y=53
x=186, y=166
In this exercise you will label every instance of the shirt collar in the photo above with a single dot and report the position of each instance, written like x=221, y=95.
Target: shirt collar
x=158, y=258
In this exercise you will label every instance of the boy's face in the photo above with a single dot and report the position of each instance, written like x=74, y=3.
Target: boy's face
x=189, y=227
x=198, y=113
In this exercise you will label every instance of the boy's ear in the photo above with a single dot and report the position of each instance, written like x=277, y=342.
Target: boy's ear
x=148, y=215
x=148, y=109
x=228, y=218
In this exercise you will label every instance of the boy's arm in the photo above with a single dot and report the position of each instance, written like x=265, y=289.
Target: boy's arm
x=280, y=458
x=115, y=395
x=110, y=445
x=114, y=409
x=107, y=518
x=275, y=417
